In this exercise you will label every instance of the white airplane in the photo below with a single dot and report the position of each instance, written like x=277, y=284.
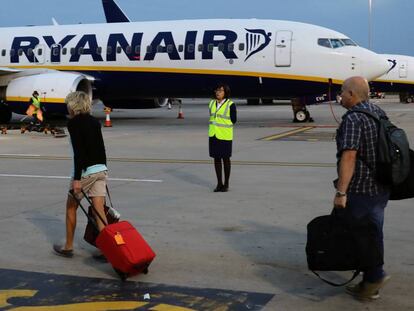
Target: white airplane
x=399, y=79
x=141, y=64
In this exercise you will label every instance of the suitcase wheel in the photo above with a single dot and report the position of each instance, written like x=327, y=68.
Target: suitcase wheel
x=145, y=271
x=121, y=274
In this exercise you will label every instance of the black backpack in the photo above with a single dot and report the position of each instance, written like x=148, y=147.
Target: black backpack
x=393, y=151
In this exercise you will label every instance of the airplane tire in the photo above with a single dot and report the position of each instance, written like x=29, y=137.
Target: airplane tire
x=253, y=101
x=409, y=100
x=301, y=116
x=5, y=114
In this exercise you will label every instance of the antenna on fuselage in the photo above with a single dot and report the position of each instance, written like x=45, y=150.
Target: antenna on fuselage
x=55, y=23
x=113, y=13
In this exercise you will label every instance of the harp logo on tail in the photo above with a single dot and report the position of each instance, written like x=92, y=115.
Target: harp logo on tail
x=256, y=41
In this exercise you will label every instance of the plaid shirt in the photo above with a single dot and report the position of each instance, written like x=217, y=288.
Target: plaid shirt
x=358, y=131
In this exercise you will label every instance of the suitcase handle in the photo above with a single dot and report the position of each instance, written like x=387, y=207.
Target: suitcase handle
x=91, y=219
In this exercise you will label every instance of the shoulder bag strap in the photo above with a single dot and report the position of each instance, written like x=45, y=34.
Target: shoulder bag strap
x=337, y=284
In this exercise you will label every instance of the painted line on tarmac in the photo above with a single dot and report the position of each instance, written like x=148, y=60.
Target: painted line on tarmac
x=288, y=133
x=68, y=177
x=31, y=291
x=171, y=161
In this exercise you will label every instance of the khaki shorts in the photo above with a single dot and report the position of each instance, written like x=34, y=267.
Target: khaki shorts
x=94, y=185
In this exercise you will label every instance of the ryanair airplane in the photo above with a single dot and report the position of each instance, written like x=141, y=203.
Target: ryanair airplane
x=141, y=64
x=400, y=77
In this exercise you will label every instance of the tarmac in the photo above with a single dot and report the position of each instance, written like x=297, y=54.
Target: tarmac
x=240, y=250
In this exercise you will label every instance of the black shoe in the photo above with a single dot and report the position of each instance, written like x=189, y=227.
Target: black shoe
x=225, y=189
x=218, y=188
x=60, y=251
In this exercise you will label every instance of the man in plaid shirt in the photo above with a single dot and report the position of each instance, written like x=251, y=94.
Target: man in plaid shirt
x=356, y=187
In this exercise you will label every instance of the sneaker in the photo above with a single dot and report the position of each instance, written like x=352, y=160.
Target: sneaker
x=360, y=291
x=367, y=290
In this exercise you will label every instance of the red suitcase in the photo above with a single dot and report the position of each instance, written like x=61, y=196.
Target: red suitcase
x=125, y=249
x=122, y=245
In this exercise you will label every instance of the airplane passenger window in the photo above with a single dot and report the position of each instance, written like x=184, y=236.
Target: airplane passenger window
x=221, y=47
x=200, y=47
x=137, y=49
x=109, y=50
x=241, y=46
x=336, y=43
x=230, y=47
x=72, y=51
x=324, y=42
x=99, y=50
x=64, y=51
x=30, y=51
x=170, y=48
x=149, y=48
x=20, y=52
x=210, y=47
x=128, y=49
x=39, y=52
x=12, y=52
x=190, y=48
x=160, y=48
x=180, y=48
x=119, y=50
x=3, y=52
x=80, y=51
x=348, y=42
x=55, y=52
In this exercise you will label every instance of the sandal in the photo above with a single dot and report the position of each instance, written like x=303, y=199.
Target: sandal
x=60, y=251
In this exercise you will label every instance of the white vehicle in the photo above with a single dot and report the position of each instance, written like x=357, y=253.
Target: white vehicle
x=141, y=64
x=399, y=79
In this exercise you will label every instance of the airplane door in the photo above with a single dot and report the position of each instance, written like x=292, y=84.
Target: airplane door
x=55, y=51
x=403, y=70
x=283, y=49
x=39, y=52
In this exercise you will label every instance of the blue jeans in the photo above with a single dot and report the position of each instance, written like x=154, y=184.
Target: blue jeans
x=360, y=206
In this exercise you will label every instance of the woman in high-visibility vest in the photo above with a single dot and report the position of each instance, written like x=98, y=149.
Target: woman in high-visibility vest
x=223, y=115
x=35, y=109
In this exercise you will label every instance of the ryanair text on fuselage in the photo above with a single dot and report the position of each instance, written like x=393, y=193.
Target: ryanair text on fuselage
x=163, y=42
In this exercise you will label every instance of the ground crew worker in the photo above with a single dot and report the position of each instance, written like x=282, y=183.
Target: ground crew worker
x=34, y=109
x=223, y=115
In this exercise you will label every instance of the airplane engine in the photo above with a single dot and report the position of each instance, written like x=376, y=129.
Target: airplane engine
x=53, y=88
x=140, y=103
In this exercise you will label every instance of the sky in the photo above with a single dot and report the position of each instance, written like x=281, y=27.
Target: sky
x=392, y=20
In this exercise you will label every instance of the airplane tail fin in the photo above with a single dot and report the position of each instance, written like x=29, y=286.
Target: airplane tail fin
x=113, y=12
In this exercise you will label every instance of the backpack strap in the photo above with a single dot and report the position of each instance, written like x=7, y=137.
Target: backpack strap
x=337, y=284
x=369, y=113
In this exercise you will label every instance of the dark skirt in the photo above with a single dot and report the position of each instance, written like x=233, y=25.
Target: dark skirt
x=219, y=148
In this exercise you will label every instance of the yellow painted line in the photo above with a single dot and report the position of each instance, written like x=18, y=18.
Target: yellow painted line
x=43, y=100
x=288, y=133
x=394, y=81
x=186, y=71
x=170, y=161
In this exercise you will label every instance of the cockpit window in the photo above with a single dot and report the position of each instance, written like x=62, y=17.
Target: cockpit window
x=324, y=42
x=337, y=43
x=334, y=43
x=348, y=42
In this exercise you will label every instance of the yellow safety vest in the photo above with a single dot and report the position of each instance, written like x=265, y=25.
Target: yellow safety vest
x=34, y=108
x=220, y=121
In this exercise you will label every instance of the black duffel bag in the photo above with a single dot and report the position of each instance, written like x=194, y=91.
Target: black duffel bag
x=339, y=242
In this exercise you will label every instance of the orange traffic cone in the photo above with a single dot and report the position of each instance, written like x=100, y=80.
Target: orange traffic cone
x=108, y=122
x=180, y=111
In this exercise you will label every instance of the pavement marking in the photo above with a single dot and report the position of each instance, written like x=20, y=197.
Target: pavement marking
x=68, y=177
x=32, y=291
x=171, y=161
x=288, y=133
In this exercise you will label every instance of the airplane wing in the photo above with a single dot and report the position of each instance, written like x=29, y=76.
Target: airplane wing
x=113, y=12
x=6, y=71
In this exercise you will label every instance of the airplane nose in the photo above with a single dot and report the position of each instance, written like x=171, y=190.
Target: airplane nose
x=374, y=65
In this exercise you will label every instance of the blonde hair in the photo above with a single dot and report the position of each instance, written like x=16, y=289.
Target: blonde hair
x=78, y=103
